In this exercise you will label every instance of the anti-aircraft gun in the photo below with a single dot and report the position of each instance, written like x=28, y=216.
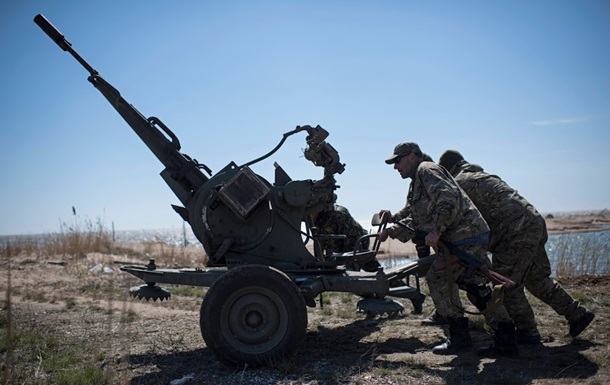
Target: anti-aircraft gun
x=260, y=273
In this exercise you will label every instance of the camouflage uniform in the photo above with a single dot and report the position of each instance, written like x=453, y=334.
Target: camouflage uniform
x=423, y=250
x=439, y=205
x=518, y=236
x=443, y=297
x=406, y=211
x=339, y=221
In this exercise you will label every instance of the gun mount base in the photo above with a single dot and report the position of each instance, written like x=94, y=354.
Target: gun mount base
x=379, y=306
x=149, y=292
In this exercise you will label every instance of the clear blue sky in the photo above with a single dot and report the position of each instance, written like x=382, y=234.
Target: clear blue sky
x=519, y=87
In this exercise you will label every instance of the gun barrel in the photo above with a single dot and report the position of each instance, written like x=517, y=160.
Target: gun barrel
x=60, y=40
x=182, y=173
x=51, y=31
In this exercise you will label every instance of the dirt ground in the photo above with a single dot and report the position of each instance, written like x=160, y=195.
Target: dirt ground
x=158, y=342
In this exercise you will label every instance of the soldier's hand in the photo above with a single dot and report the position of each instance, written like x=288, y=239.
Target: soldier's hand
x=385, y=216
x=383, y=235
x=432, y=240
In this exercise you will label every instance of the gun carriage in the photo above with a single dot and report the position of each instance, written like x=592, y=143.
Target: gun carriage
x=260, y=273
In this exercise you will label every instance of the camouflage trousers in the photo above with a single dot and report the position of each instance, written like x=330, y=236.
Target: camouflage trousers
x=446, y=295
x=522, y=257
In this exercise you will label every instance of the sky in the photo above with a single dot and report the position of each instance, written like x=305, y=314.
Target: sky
x=520, y=87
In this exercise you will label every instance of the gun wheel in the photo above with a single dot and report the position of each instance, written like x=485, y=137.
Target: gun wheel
x=253, y=314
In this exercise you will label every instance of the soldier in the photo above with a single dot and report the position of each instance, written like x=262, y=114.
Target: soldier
x=337, y=220
x=441, y=210
x=422, y=249
x=518, y=236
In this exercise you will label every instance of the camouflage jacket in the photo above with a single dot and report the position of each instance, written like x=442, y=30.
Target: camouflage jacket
x=506, y=212
x=439, y=205
x=405, y=211
x=339, y=221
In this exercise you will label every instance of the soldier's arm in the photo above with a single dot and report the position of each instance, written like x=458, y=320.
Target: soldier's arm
x=401, y=214
x=445, y=197
x=403, y=231
x=405, y=211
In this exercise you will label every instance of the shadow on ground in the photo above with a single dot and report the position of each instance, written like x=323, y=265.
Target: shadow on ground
x=339, y=355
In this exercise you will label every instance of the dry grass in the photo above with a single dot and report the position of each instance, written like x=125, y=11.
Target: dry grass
x=37, y=352
x=32, y=353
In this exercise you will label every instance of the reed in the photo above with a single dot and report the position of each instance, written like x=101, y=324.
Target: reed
x=34, y=352
x=582, y=254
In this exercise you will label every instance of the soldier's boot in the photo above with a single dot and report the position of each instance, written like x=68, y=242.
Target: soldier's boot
x=418, y=304
x=581, y=323
x=435, y=319
x=505, y=343
x=524, y=337
x=459, y=337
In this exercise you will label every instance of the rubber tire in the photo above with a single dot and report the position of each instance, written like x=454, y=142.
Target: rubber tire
x=267, y=299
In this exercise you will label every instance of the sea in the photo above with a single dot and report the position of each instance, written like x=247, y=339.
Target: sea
x=571, y=253
x=578, y=253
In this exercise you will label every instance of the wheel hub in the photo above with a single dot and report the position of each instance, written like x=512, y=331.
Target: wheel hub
x=254, y=319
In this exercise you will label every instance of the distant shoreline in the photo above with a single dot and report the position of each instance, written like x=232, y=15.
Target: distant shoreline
x=578, y=223
x=557, y=223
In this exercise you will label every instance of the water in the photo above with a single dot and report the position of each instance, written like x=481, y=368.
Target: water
x=168, y=236
x=173, y=236
x=574, y=253
x=582, y=253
